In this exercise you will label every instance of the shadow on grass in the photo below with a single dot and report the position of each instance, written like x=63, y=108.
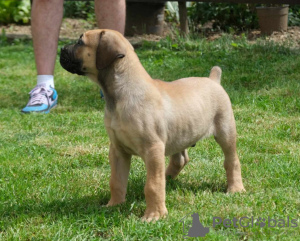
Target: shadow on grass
x=82, y=96
x=245, y=68
x=94, y=205
x=195, y=186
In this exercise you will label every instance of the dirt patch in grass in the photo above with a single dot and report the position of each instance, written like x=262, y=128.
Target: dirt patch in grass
x=70, y=29
x=73, y=28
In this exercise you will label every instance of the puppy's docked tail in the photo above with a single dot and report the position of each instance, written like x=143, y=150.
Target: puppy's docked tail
x=215, y=74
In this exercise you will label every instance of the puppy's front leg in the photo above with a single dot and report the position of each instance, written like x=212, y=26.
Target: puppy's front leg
x=155, y=192
x=120, y=165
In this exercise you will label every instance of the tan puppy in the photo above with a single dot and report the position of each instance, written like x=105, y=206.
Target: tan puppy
x=151, y=118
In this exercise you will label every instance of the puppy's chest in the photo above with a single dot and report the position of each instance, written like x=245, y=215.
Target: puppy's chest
x=122, y=133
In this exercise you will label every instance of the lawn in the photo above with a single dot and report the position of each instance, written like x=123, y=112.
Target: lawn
x=54, y=168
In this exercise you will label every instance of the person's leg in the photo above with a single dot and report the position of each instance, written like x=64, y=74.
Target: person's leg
x=46, y=18
x=111, y=14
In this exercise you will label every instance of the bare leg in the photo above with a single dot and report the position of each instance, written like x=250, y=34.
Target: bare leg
x=177, y=162
x=120, y=165
x=46, y=17
x=111, y=14
x=155, y=192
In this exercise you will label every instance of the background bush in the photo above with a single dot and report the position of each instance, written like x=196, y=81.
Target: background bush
x=80, y=9
x=294, y=15
x=18, y=11
x=14, y=11
x=224, y=16
x=228, y=17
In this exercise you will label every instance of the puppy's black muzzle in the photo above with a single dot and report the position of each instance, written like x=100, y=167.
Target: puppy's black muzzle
x=68, y=60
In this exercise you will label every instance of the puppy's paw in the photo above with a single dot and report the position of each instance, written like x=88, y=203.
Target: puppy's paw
x=172, y=172
x=152, y=216
x=112, y=202
x=236, y=188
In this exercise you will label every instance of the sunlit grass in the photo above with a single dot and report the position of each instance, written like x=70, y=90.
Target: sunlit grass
x=54, y=168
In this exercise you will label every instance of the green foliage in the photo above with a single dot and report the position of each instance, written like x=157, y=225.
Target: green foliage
x=3, y=38
x=80, y=9
x=14, y=11
x=224, y=16
x=294, y=15
x=231, y=17
x=172, y=12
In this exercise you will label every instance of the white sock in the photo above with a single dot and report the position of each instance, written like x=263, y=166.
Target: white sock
x=48, y=80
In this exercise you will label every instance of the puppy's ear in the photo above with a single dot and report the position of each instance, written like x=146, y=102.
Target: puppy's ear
x=110, y=48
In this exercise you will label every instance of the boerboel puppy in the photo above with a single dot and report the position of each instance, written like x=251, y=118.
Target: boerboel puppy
x=152, y=118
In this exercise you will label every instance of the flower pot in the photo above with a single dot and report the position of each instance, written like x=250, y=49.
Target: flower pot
x=272, y=19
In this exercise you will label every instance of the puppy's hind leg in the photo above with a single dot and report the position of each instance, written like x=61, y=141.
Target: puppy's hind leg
x=177, y=162
x=226, y=138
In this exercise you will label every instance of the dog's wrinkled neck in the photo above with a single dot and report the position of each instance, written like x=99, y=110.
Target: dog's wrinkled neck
x=120, y=84
x=105, y=79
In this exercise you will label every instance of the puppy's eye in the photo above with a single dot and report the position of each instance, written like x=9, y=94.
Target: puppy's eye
x=80, y=42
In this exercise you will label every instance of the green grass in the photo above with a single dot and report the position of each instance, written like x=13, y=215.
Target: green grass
x=54, y=168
